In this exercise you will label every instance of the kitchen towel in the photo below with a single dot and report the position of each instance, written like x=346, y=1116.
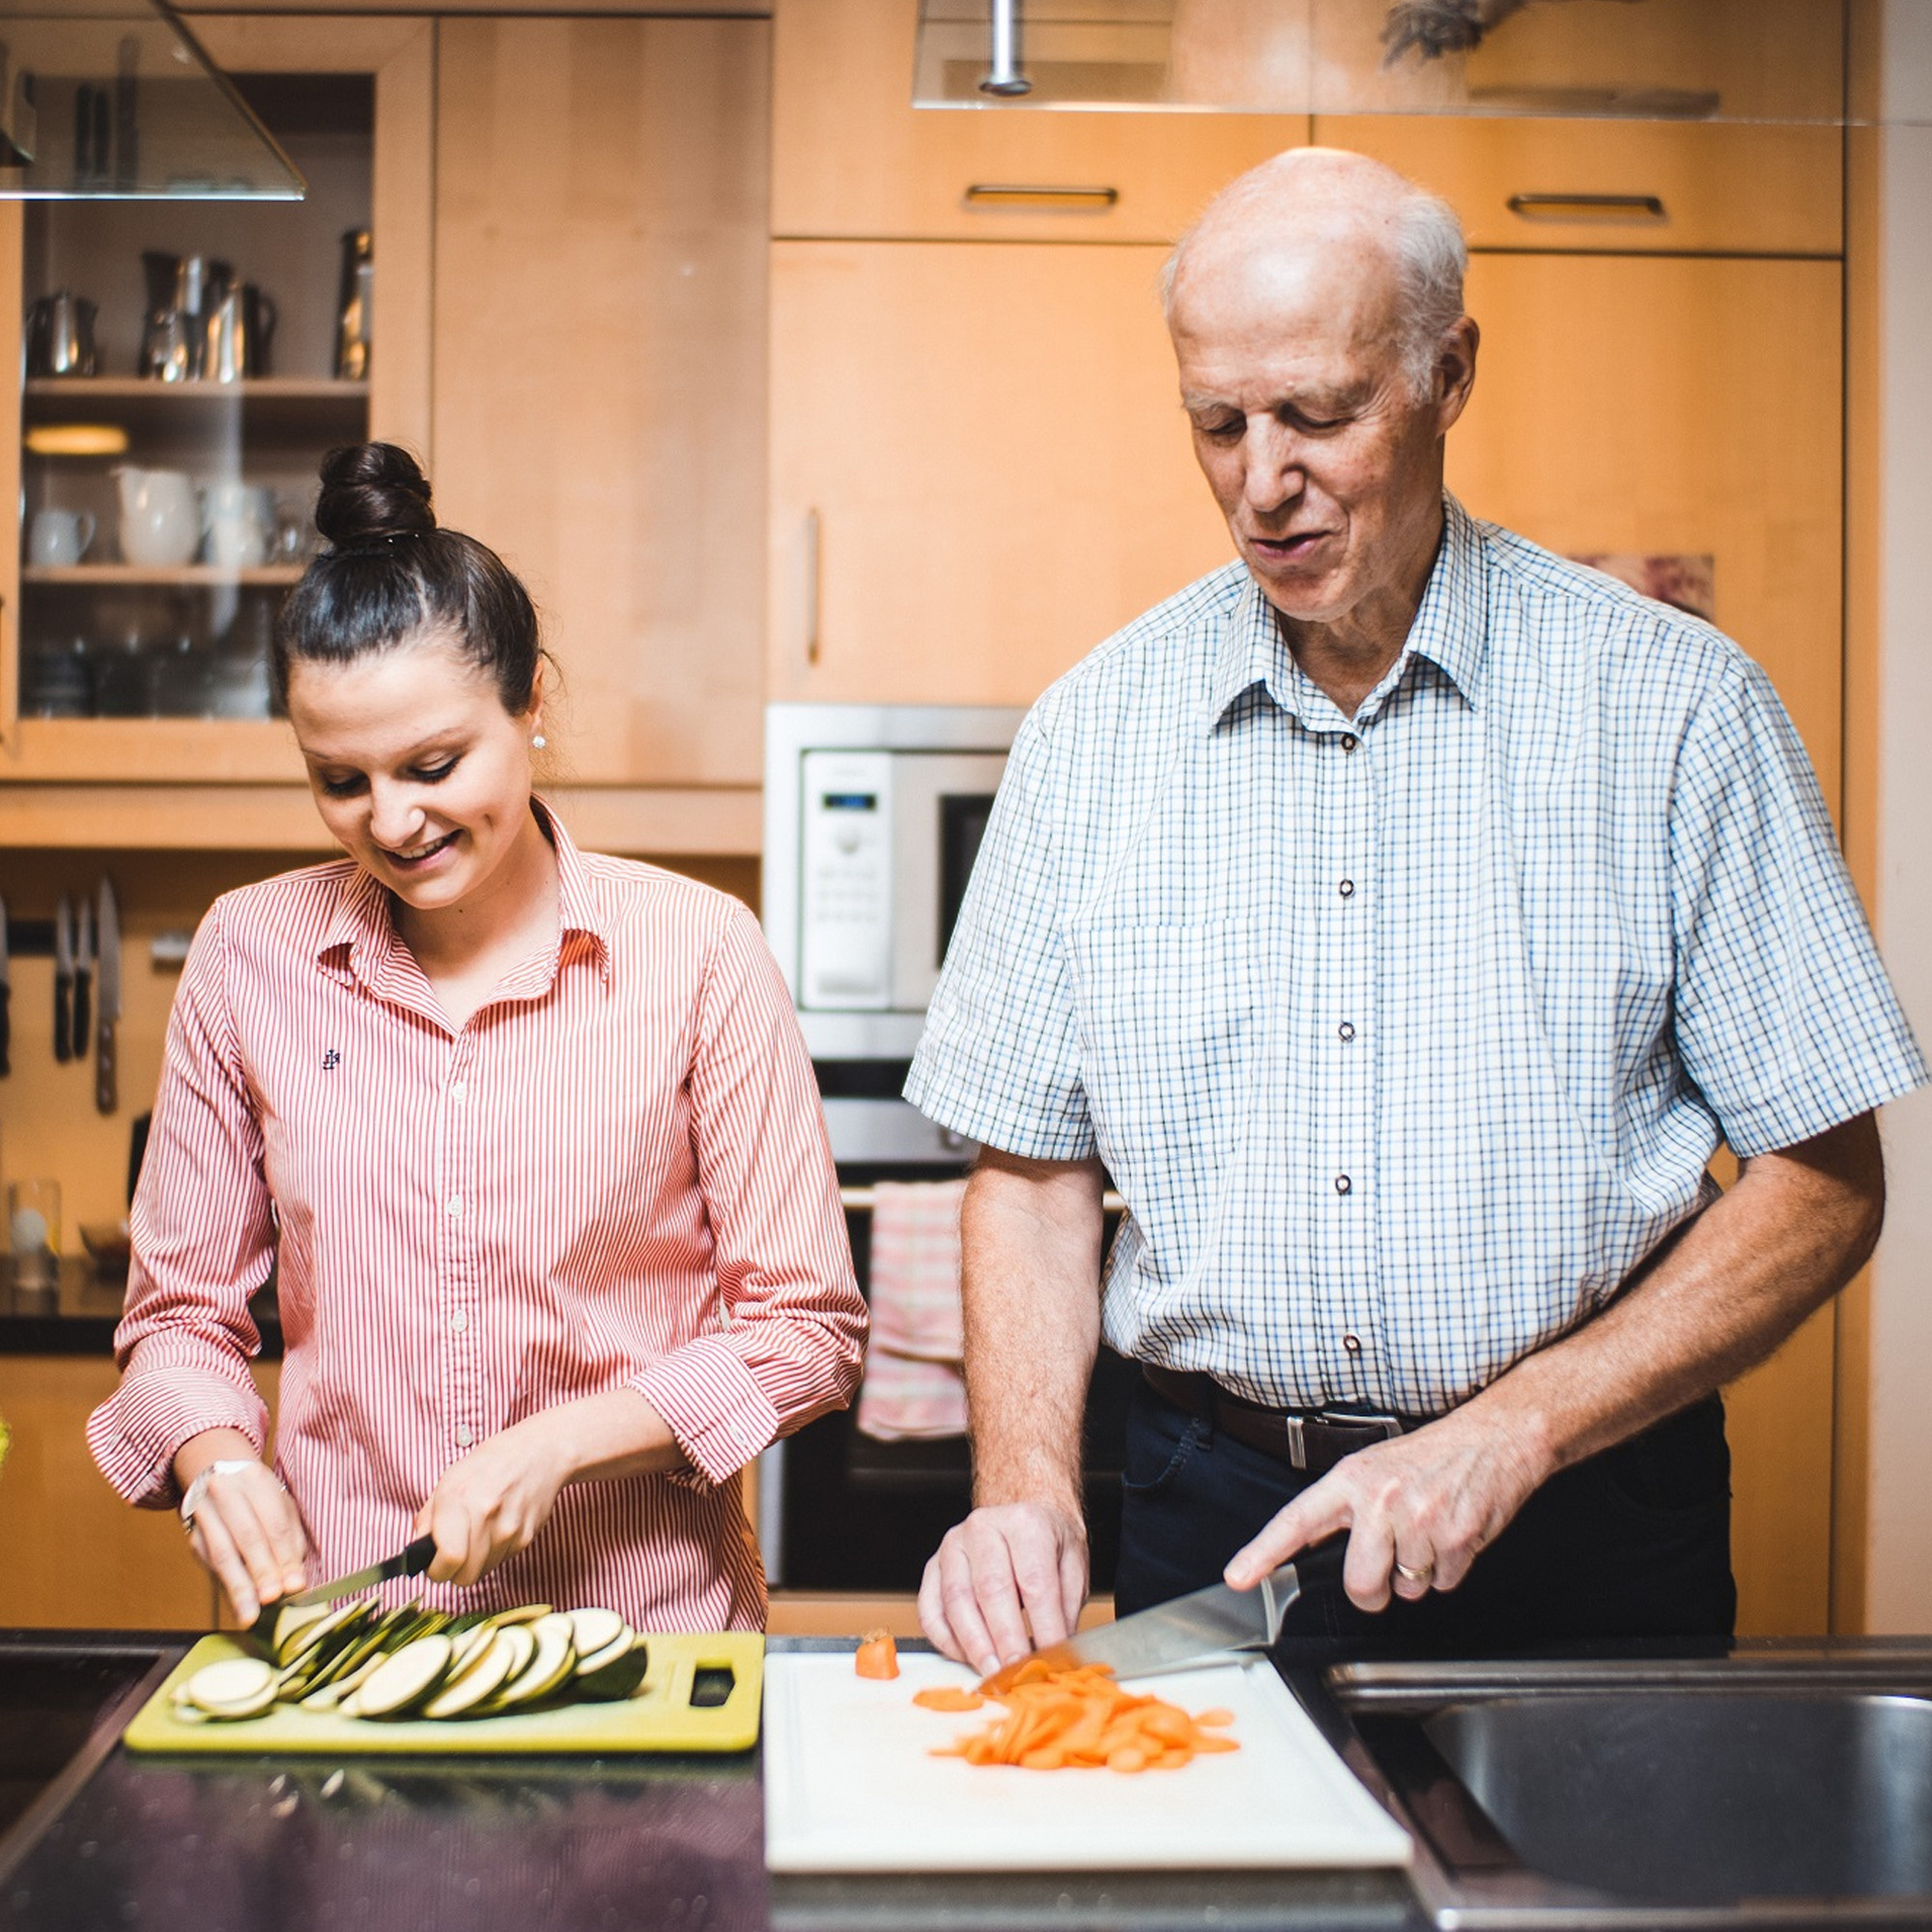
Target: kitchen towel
x=914, y=1388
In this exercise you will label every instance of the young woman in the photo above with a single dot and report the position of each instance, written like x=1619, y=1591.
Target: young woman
x=531, y=1134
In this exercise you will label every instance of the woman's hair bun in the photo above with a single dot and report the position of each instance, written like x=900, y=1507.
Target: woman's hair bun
x=372, y=493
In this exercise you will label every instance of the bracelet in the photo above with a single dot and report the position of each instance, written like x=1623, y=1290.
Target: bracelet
x=226, y=1466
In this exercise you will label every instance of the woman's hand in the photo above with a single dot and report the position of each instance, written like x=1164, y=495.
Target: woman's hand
x=244, y=1528
x=491, y=1505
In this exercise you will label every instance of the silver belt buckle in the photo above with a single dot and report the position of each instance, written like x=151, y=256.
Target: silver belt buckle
x=1389, y=1425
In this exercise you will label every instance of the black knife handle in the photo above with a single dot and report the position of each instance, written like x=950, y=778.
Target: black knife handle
x=106, y=1088
x=418, y=1556
x=63, y=1016
x=83, y=1011
x=6, y=1030
x=1319, y=1567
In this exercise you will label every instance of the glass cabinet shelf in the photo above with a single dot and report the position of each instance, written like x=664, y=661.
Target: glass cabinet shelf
x=214, y=575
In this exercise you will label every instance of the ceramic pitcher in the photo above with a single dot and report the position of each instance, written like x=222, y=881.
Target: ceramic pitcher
x=161, y=519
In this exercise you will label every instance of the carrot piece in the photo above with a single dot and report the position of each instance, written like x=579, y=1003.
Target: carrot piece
x=1217, y=1715
x=948, y=1697
x=878, y=1655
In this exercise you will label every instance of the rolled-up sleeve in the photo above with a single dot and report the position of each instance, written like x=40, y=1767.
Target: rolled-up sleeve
x=998, y=1061
x=794, y=1331
x=1785, y=1016
x=203, y=1242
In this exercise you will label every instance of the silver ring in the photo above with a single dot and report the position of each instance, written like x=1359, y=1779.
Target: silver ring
x=1409, y=1576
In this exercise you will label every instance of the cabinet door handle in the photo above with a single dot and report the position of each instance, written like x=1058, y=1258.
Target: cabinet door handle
x=811, y=586
x=1610, y=208
x=1004, y=75
x=1018, y=194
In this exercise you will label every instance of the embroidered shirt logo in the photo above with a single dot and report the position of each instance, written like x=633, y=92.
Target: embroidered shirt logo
x=330, y=1060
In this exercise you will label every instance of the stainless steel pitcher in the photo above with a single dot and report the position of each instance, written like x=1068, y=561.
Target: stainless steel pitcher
x=60, y=335
x=240, y=327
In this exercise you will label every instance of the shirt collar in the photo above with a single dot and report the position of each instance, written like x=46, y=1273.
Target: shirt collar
x=361, y=938
x=1450, y=629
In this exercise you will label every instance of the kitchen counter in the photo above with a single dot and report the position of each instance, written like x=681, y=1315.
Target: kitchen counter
x=675, y=1844
x=77, y=1317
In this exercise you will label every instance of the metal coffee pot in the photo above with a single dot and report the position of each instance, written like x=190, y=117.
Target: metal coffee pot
x=60, y=335
x=240, y=327
x=183, y=293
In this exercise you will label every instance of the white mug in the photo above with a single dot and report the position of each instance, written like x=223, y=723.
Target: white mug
x=59, y=537
x=237, y=522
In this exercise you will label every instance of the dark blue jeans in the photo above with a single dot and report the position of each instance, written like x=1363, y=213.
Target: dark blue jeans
x=1632, y=1543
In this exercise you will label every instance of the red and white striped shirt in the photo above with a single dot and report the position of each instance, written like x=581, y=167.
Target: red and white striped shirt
x=615, y=1174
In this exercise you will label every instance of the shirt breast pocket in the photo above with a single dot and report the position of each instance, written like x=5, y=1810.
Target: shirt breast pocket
x=1171, y=1035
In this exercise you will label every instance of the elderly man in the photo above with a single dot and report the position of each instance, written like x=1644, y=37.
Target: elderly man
x=1400, y=916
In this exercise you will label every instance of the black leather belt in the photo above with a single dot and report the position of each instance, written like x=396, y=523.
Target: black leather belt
x=1311, y=1440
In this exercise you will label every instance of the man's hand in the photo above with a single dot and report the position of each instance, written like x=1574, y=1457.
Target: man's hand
x=1419, y=1509
x=1007, y=1569
x=245, y=1527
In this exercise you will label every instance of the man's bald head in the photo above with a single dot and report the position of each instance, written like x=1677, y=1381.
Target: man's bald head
x=1324, y=196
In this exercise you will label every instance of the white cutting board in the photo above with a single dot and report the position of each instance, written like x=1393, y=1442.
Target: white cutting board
x=851, y=1785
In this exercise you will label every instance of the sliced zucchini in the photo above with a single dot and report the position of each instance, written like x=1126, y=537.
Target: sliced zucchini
x=290, y=1623
x=237, y=1686
x=588, y=1660
x=405, y=1679
x=554, y=1662
x=620, y=1677
x=317, y=1632
x=485, y=1675
x=593, y=1630
x=524, y=1614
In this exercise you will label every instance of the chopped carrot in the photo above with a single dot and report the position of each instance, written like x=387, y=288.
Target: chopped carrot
x=1079, y=1720
x=948, y=1697
x=878, y=1655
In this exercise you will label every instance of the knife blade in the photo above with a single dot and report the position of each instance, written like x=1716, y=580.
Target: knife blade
x=106, y=999
x=63, y=980
x=83, y=978
x=409, y=1561
x=6, y=1000
x=1210, y=1624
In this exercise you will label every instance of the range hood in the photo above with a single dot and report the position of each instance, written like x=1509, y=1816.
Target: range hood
x=1772, y=61
x=114, y=99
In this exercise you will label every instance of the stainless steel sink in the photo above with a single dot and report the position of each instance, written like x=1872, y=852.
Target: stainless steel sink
x=1779, y=1785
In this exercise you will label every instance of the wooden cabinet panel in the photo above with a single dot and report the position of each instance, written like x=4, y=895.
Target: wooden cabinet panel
x=852, y=156
x=992, y=444
x=77, y=1555
x=600, y=379
x=1648, y=406
x=1731, y=190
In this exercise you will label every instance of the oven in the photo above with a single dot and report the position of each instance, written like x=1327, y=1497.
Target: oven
x=873, y=817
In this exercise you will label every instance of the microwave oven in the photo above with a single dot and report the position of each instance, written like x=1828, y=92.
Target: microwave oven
x=874, y=816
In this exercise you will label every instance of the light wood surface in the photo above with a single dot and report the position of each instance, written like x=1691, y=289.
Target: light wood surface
x=1744, y=190
x=599, y=408
x=852, y=156
x=994, y=446
x=77, y=1555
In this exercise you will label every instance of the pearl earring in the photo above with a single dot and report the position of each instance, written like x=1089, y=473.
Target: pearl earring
x=538, y=742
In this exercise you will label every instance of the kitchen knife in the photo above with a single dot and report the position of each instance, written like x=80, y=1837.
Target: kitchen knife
x=83, y=978
x=106, y=999
x=63, y=980
x=1192, y=1629
x=6, y=996
x=411, y=1561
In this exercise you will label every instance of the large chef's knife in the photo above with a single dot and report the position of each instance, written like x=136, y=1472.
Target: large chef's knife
x=409, y=1561
x=83, y=978
x=63, y=980
x=6, y=996
x=1211, y=1624
x=106, y=999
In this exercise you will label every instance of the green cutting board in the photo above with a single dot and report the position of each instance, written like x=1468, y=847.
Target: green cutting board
x=660, y=1717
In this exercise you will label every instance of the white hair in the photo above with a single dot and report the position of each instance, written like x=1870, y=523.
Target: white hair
x=1423, y=232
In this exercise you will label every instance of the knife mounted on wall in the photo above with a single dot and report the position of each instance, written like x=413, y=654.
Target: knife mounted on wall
x=63, y=979
x=6, y=998
x=106, y=999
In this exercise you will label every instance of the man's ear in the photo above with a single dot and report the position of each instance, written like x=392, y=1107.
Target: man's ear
x=1455, y=372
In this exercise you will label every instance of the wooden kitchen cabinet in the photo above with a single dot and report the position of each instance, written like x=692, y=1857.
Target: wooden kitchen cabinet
x=75, y=1556
x=852, y=156
x=600, y=374
x=979, y=467
x=373, y=172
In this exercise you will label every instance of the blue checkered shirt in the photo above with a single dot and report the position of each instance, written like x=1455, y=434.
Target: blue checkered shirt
x=1405, y=1036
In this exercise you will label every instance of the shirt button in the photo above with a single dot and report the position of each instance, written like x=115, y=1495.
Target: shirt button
x=736, y=1435
x=459, y=1091
x=1343, y=1185
x=1346, y=1030
x=458, y=1322
x=455, y=1206
x=1352, y=1343
x=1349, y=741
x=465, y=1435
x=1347, y=889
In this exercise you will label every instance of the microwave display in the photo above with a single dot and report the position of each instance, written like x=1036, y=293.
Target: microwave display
x=962, y=825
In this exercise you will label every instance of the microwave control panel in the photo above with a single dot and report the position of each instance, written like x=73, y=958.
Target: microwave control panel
x=846, y=888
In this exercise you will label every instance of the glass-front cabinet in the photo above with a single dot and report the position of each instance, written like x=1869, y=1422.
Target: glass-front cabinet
x=185, y=365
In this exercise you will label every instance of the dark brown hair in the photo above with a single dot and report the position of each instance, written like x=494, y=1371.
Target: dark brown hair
x=389, y=575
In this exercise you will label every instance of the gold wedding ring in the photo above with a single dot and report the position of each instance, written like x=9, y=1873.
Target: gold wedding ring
x=1409, y=1576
